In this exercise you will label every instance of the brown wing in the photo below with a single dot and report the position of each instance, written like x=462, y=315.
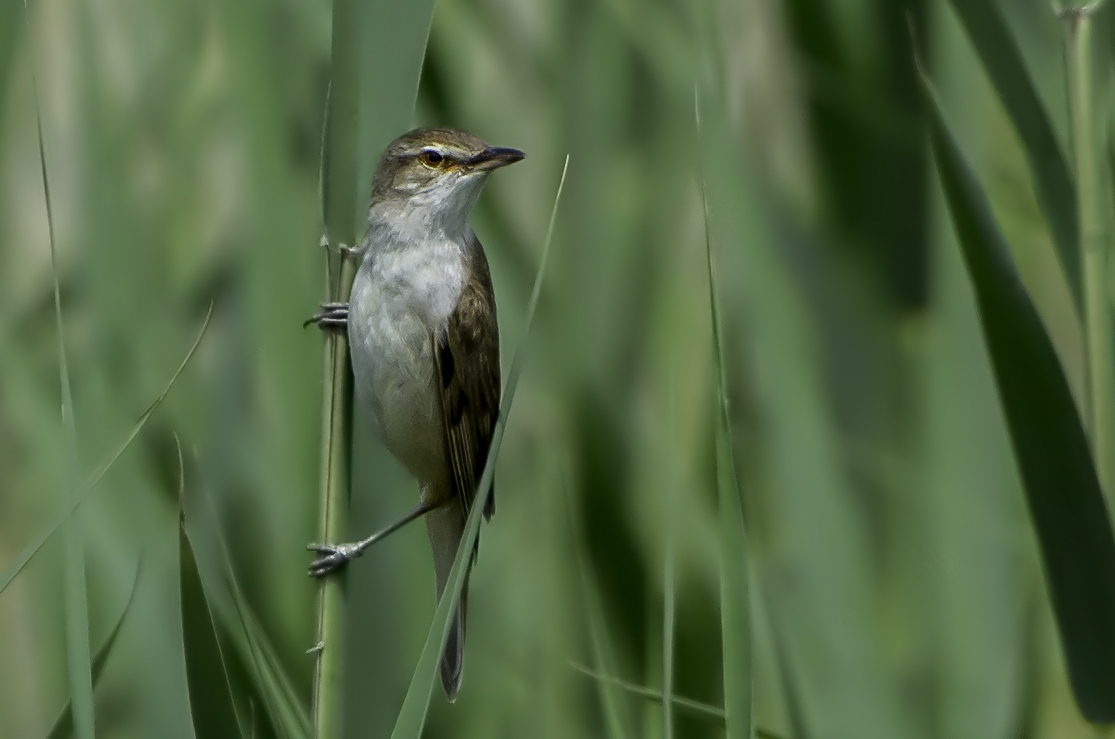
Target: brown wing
x=467, y=351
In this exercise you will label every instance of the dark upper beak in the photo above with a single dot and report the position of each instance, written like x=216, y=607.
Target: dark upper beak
x=495, y=157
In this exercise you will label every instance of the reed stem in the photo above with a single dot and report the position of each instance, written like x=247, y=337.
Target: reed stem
x=338, y=193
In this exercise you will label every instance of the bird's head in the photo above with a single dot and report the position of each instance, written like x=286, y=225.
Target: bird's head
x=434, y=174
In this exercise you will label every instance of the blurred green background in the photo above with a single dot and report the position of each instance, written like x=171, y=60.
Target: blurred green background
x=895, y=583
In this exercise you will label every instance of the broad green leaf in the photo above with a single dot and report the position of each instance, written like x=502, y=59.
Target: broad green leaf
x=64, y=724
x=75, y=498
x=1056, y=191
x=210, y=689
x=412, y=715
x=273, y=683
x=1051, y=448
x=271, y=687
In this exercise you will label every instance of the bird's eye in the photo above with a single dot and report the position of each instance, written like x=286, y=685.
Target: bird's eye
x=431, y=158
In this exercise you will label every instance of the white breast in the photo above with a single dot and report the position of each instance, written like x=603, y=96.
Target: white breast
x=402, y=294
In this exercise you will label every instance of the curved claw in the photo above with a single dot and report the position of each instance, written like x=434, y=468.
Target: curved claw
x=332, y=316
x=331, y=558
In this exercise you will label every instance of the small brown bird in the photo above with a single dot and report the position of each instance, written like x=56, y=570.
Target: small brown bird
x=425, y=344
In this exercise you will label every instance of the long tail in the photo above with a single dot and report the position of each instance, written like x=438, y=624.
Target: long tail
x=446, y=526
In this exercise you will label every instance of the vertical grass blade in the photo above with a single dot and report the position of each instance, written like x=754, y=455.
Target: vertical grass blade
x=734, y=599
x=74, y=500
x=1063, y=493
x=734, y=618
x=78, y=659
x=1097, y=316
x=64, y=725
x=412, y=715
x=1056, y=192
x=669, y=613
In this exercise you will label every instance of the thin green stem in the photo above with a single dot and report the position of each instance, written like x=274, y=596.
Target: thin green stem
x=338, y=188
x=1100, y=376
x=328, y=705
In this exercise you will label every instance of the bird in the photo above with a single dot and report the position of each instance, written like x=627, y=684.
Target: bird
x=424, y=344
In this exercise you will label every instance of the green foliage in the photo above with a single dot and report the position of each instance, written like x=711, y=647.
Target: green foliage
x=75, y=499
x=895, y=587
x=1053, y=184
x=355, y=26
x=64, y=725
x=617, y=712
x=1063, y=492
x=207, y=672
x=78, y=661
x=268, y=687
x=735, y=600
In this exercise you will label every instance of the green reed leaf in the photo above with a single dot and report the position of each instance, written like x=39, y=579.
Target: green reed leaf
x=1055, y=189
x=210, y=688
x=64, y=725
x=1051, y=449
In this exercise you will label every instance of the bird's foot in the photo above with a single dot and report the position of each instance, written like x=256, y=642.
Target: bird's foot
x=331, y=317
x=332, y=557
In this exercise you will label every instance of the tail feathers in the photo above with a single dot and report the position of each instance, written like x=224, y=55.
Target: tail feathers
x=453, y=658
x=446, y=526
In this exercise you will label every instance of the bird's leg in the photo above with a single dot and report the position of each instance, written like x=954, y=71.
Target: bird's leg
x=331, y=317
x=332, y=557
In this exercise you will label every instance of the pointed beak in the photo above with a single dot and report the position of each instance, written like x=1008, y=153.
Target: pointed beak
x=495, y=157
